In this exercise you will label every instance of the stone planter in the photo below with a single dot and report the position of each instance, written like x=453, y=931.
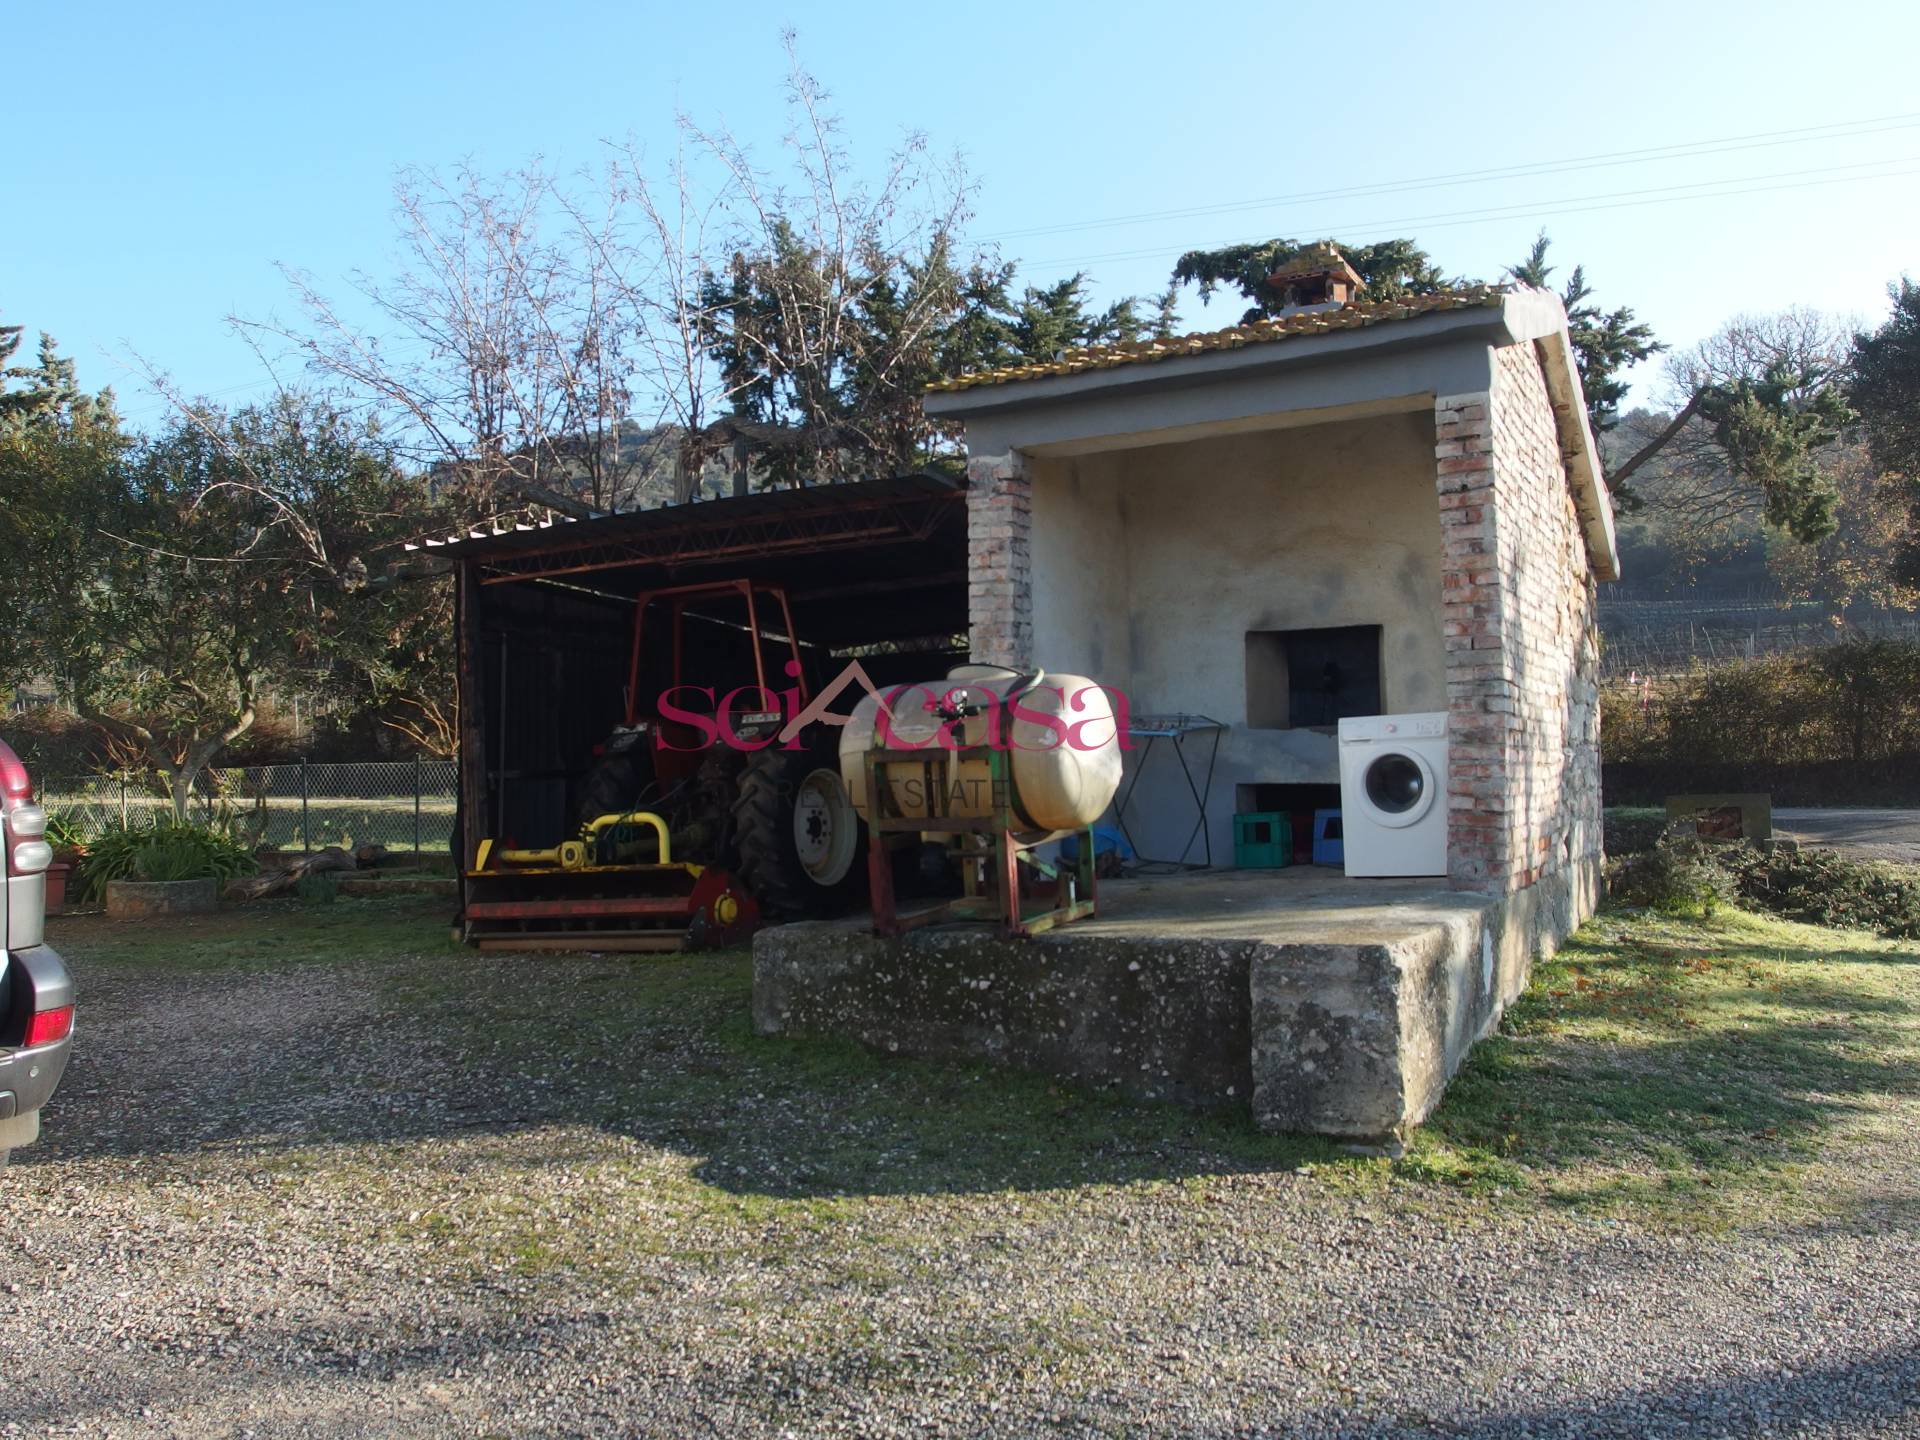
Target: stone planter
x=140, y=899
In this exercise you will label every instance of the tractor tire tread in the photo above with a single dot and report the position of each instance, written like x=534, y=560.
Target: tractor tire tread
x=769, y=866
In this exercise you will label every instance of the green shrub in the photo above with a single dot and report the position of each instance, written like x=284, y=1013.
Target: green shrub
x=1822, y=888
x=1630, y=829
x=1680, y=873
x=1818, y=887
x=1855, y=701
x=63, y=834
x=172, y=854
x=165, y=850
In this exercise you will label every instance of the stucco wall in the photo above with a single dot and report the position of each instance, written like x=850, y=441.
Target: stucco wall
x=1080, y=575
x=1150, y=565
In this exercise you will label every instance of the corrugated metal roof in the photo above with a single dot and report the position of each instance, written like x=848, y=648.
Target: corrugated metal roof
x=559, y=531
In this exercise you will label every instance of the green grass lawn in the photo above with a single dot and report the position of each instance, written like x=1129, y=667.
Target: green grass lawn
x=1690, y=1067
x=1698, y=1073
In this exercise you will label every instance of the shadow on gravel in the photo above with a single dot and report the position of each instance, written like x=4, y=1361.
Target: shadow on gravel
x=1839, y=1399
x=351, y=1377
x=1705, y=1054
x=360, y=1024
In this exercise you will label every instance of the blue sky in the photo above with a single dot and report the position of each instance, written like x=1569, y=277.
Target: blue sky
x=161, y=159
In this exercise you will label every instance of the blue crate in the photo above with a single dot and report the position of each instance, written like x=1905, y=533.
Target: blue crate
x=1329, y=841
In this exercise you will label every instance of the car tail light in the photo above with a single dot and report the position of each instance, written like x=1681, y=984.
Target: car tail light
x=16, y=788
x=26, y=822
x=47, y=1026
x=26, y=832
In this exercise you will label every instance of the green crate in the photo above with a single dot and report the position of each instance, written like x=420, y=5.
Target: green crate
x=1262, y=840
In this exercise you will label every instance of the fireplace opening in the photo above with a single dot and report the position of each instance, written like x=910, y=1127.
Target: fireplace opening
x=1312, y=679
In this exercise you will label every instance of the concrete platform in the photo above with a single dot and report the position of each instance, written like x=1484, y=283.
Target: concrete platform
x=1304, y=904
x=1331, y=1005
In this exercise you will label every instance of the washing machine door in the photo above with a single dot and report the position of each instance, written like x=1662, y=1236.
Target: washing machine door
x=1398, y=787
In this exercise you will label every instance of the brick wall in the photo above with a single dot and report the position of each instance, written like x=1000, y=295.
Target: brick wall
x=1000, y=559
x=1522, y=659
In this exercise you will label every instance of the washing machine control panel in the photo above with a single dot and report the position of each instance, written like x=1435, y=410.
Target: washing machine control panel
x=1394, y=727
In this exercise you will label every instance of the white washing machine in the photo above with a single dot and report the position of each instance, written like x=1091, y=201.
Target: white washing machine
x=1393, y=794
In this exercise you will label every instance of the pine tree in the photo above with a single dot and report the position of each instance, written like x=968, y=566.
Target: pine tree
x=1605, y=342
x=1053, y=319
x=1885, y=384
x=1885, y=387
x=1166, y=314
x=1393, y=270
x=47, y=391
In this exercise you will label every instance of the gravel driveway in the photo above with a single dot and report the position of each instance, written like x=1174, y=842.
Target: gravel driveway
x=426, y=1194
x=1864, y=834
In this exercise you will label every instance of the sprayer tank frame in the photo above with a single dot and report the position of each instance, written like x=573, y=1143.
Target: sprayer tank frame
x=987, y=849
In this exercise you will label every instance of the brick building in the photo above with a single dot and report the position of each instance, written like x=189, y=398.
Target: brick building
x=1357, y=507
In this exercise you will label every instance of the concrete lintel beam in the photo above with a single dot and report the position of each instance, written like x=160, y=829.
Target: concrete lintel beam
x=1270, y=395
x=1493, y=323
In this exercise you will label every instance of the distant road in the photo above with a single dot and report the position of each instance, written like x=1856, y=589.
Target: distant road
x=1865, y=834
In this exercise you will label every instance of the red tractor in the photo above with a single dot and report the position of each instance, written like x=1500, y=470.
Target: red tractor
x=776, y=814
x=696, y=822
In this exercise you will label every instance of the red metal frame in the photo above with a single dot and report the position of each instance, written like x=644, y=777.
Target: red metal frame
x=680, y=595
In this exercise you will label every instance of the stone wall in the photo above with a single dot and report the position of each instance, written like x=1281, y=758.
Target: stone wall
x=1329, y=1006
x=1160, y=1018
x=1522, y=654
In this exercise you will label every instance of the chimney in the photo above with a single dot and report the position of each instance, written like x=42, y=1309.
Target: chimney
x=1318, y=278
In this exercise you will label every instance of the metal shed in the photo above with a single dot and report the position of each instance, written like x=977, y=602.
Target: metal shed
x=544, y=618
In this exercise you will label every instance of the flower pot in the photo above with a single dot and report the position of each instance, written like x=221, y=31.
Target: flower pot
x=57, y=874
x=145, y=899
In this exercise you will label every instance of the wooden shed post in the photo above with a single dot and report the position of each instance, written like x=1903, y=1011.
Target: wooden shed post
x=473, y=748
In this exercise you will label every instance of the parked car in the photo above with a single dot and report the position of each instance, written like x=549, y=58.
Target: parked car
x=36, y=992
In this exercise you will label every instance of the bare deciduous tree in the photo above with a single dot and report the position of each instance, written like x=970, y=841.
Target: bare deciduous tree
x=821, y=321
x=498, y=367
x=594, y=343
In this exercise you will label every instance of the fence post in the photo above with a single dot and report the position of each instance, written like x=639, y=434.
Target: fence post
x=123, y=799
x=416, y=806
x=306, y=835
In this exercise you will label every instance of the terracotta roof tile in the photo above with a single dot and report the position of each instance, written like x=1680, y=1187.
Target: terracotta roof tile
x=1352, y=316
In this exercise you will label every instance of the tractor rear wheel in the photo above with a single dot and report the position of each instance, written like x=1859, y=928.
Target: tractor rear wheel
x=798, y=835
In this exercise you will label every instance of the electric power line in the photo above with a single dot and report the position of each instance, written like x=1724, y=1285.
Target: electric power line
x=1570, y=205
x=1681, y=150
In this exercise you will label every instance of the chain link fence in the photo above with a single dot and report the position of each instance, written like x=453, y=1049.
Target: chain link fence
x=1665, y=637
x=405, y=805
